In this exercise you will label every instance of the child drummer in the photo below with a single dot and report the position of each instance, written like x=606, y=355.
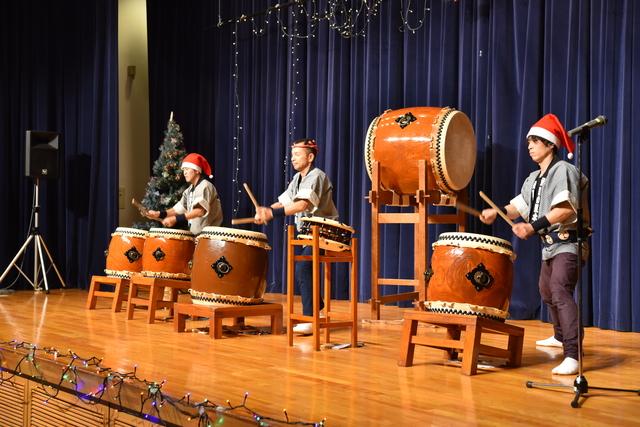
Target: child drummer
x=309, y=193
x=200, y=205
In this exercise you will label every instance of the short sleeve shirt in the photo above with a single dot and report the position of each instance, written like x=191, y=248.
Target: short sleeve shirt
x=315, y=188
x=205, y=195
x=560, y=185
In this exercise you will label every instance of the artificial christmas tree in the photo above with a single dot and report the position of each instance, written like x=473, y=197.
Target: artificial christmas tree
x=166, y=185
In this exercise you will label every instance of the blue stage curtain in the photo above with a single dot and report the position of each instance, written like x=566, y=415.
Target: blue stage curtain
x=504, y=63
x=59, y=73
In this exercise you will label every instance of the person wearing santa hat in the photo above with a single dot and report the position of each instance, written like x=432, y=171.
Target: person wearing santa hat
x=200, y=205
x=310, y=192
x=548, y=204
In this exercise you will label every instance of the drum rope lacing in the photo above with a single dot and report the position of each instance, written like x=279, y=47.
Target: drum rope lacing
x=456, y=309
x=369, y=145
x=209, y=234
x=439, y=160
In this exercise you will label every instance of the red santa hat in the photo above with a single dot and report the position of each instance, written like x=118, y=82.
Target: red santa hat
x=198, y=162
x=550, y=128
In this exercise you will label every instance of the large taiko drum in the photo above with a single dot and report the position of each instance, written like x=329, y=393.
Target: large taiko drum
x=168, y=253
x=472, y=274
x=398, y=139
x=334, y=236
x=229, y=267
x=124, y=255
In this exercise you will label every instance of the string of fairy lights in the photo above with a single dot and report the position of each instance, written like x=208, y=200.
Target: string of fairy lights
x=153, y=402
x=410, y=9
x=301, y=19
x=238, y=125
x=294, y=77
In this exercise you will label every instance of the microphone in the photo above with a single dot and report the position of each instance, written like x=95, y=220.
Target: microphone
x=598, y=121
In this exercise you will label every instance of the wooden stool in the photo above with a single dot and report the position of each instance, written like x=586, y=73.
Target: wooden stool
x=156, y=293
x=217, y=313
x=118, y=294
x=349, y=319
x=473, y=327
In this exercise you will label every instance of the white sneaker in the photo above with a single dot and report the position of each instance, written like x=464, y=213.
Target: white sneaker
x=549, y=342
x=569, y=366
x=303, y=328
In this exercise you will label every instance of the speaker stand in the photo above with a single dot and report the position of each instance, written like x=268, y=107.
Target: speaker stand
x=38, y=244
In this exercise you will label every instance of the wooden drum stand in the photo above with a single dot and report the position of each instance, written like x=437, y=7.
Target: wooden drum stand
x=379, y=197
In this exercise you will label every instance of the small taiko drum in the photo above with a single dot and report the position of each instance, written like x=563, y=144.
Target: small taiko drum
x=472, y=274
x=124, y=255
x=168, y=253
x=229, y=267
x=334, y=236
x=398, y=139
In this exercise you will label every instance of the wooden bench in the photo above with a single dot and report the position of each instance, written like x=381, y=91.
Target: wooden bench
x=469, y=344
x=118, y=294
x=217, y=313
x=155, y=300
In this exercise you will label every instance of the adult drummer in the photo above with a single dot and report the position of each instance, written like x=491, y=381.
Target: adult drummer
x=548, y=202
x=199, y=206
x=310, y=193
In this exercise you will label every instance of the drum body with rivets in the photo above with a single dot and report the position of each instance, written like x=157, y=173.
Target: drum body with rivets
x=168, y=253
x=124, y=256
x=229, y=267
x=470, y=274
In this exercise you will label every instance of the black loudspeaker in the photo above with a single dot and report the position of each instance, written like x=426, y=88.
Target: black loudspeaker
x=42, y=154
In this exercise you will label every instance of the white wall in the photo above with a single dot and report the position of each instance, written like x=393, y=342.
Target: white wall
x=133, y=106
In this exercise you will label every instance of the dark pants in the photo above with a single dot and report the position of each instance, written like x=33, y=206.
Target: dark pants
x=558, y=277
x=304, y=282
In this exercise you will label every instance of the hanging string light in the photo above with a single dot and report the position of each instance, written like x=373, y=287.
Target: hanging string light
x=349, y=18
x=351, y=21
x=238, y=127
x=409, y=10
x=294, y=84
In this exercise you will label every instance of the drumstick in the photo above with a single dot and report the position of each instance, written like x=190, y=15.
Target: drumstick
x=493, y=205
x=251, y=196
x=143, y=211
x=235, y=221
x=467, y=209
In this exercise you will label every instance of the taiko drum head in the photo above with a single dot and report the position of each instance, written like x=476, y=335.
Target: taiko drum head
x=333, y=235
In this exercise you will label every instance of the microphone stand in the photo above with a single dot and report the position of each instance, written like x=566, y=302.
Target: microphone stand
x=580, y=384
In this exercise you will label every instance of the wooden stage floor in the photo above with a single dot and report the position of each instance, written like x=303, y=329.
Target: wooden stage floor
x=350, y=387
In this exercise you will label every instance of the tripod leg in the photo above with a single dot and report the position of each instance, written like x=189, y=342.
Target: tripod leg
x=40, y=265
x=36, y=264
x=44, y=244
x=13, y=262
